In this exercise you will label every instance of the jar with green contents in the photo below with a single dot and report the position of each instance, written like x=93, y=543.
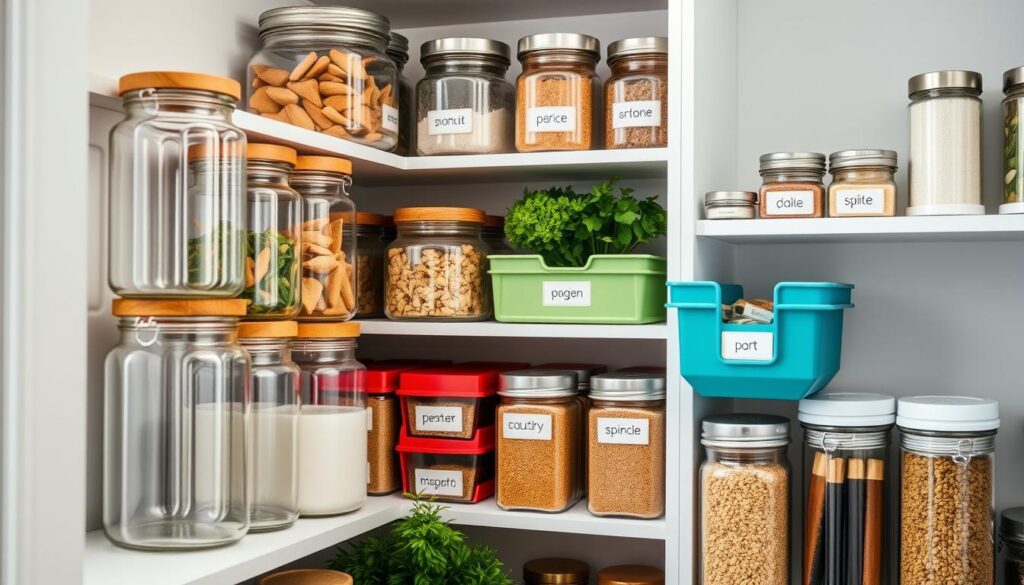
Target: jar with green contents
x=1013, y=181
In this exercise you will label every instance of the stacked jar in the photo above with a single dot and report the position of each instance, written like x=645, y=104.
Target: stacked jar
x=369, y=265
x=636, y=94
x=398, y=52
x=792, y=185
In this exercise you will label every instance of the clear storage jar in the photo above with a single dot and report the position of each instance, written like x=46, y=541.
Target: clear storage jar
x=847, y=479
x=273, y=234
x=324, y=68
x=177, y=188
x=1011, y=542
x=369, y=265
x=792, y=185
x=636, y=94
x=398, y=52
x=333, y=421
x=947, y=489
x=464, y=104
x=493, y=233
x=273, y=438
x=436, y=266
x=175, y=412
x=863, y=183
x=552, y=570
x=730, y=205
x=555, y=98
x=328, y=287
x=744, y=501
x=1013, y=180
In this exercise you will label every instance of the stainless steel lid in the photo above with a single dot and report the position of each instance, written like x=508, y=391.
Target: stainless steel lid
x=637, y=46
x=465, y=47
x=556, y=41
x=537, y=383
x=949, y=79
x=627, y=386
x=584, y=372
x=398, y=49
x=1011, y=525
x=325, y=19
x=797, y=161
x=1012, y=78
x=738, y=431
x=845, y=159
x=730, y=198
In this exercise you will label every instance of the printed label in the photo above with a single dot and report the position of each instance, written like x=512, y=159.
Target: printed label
x=438, y=482
x=636, y=114
x=533, y=427
x=860, y=201
x=789, y=203
x=566, y=294
x=367, y=473
x=758, y=346
x=458, y=121
x=439, y=418
x=369, y=420
x=390, y=116
x=551, y=119
x=623, y=431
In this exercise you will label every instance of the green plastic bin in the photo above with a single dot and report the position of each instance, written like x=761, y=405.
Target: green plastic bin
x=611, y=289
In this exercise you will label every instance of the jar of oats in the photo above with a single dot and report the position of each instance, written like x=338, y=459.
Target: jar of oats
x=369, y=265
x=636, y=95
x=947, y=515
x=436, y=269
x=744, y=502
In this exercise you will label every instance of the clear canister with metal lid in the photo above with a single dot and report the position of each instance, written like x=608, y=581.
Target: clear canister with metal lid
x=398, y=52
x=1011, y=543
x=792, y=185
x=863, y=183
x=556, y=571
x=1013, y=150
x=630, y=575
x=730, y=205
x=636, y=94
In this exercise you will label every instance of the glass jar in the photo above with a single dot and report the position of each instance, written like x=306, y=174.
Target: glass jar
x=385, y=420
x=631, y=575
x=176, y=385
x=554, y=570
x=744, y=503
x=847, y=479
x=493, y=233
x=626, y=446
x=945, y=143
x=730, y=205
x=398, y=52
x=369, y=265
x=463, y=103
x=273, y=438
x=388, y=230
x=863, y=183
x=177, y=188
x=333, y=422
x=1013, y=180
x=324, y=68
x=328, y=238
x=436, y=266
x=946, y=513
x=792, y=185
x=1011, y=542
x=539, y=437
x=636, y=94
x=555, y=99
x=273, y=214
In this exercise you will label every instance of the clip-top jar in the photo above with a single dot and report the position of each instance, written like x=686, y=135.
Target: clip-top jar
x=177, y=188
x=176, y=405
x=556, y=571
x=1011, y=541
x=369, y=264
x=636, y=94
x=398, y=52
x=792, y=185
x=1013, y=150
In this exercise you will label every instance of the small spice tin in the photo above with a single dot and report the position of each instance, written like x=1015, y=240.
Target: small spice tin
x=554, y=570
x=792, y=185
x=630, y=575
x=730, y=205
x=863, y=183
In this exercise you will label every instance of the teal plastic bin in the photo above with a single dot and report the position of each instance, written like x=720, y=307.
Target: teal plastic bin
x=791, y=358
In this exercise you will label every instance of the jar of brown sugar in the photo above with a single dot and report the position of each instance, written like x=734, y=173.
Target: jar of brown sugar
x=555, y=92
x=863, y=183
x=636, y=95
x=792, y=185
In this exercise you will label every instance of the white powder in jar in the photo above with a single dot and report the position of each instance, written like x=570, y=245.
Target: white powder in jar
x=489, y=133
x=332, y=459
x=945, y=152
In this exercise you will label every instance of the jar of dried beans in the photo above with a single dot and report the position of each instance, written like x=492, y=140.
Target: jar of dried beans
x=946, y=516
x=436, y=266
x=863, y=183
x=792, y=185
x=626, y=445
x=538, y=447
x=636, y=94
x=555, y=98
x=328, y=238
x=398, y=52
x=744, y=502
x=1011, y=541
x=369, y=265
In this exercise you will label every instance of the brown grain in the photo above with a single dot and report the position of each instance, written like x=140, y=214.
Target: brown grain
x=817, y=190
x=635, y=90
x=627, y=480
x=369, y=286
x=467, y=407
x=537, y=474
x=566, y=89
x=382, y=438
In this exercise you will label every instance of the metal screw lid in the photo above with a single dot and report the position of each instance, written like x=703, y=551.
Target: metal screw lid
x=556, y=41
x=949, y=79
x=730, y=198
x=325, y=19
x=537, y=383
x=739, y=431
x=637, y=46
x=627, y=386
x=549, y=571
x=1011, y=525
x=796, y=161
x=847, y=159
x=1012, y=78
x=398, y=49
x=465, y=47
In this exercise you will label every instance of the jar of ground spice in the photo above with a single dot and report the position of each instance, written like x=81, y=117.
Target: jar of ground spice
x=555, y=92
x=383, y=421
x=553, y=570
x=538, y=440
x=863, y=183
x=792, y=185
x=636, y=94
x=1011, y=541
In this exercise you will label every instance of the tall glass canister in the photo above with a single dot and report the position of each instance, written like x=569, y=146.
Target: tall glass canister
x=1013, y=180
x=398, y=52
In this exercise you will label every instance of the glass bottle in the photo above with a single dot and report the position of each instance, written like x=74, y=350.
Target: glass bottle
x=636, y=94
x=369, y=265
x=863, y=183
x=398, y=52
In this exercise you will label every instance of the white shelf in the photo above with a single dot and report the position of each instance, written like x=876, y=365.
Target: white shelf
x=865, y=229
x=576, y=520
x=495, y=329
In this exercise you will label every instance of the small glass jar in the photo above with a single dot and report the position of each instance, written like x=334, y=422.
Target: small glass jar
x=631, y=575
x=493, y=233
x=730, y=205
x=626, y=446
x=744, y=502
x=538, y=441
x=555, y=98
x=273, y=437
x=398, y=52
x=792, y=185
x=369, y=265
x=554, y=570
x=863, y=183
x=847, y=479
x=328, y=238
x=947, y=489
x=636, y=94
x=1013, y=180
x=333, y=422
x=177, y=188
x=324, y=68
x=436, y=266
x=464, y=104
x=176, y=405
x=1011, y=542
x=273, y=215
x=945, y=143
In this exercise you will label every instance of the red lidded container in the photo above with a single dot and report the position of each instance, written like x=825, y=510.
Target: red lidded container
x=447, y=470
x=448, y=403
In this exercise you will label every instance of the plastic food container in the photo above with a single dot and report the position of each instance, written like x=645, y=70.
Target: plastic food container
x=863, y=183
x=449, y=471
x=451, y=402
x=369, y=265
x=398, y=52
x=1011, y=541
x=636, y=94
x=551, y=570
x=794, y=356
x=792, y=185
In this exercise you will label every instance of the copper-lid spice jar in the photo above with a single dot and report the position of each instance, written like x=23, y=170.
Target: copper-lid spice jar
x=863, y=183
x=554, y=570
x=792, y=185
x=636, y=95
x=630, y=575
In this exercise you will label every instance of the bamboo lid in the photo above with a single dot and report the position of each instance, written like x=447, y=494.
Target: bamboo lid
x=264, y=329
x=366, y=218
x=308, y=577
x=226, y=150
x=494, y=221
x=179, y=308
x=272, y=152
x=179, y=79
x=438, y=214
x=630, y=575
x=328, y=330
x=327, y=164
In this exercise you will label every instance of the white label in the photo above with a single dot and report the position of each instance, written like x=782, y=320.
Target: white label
x=459, y=121
x=757, y=346
x=789, y=203
x=566, y=294
x=623, y=431
x=367, y=473
x=533, y=427
x=438, y=482
x=390, y=116
x=446, y=419
x=860, y=201
x=636, y=114
x=369, y=420
x=551, y=119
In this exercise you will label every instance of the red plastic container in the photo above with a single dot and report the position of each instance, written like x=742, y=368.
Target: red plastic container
x=448, y=403
x=447, y=470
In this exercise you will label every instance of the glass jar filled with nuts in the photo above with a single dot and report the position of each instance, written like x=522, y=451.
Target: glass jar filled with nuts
x=324, y=68
x=369, y=265
x=436, y=268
